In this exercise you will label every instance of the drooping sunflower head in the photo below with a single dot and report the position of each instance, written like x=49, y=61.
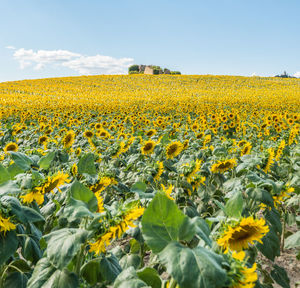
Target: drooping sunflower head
x=222, y=166
x=240, y=274
x=151, y=132
x=174, y=149
x=239, y=236
x=78, y=151
x=74, y=169
x=246, y=149
x=69, y=138
x=55, y=182
x=11, y=147
x=148, y=147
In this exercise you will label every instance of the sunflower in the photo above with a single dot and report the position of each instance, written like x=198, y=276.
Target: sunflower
x=151, y=132
x=100, y=203
x=74, y=169
x=168, y=191
x=88, y=134
x=185, y=144
x=6, y=225
x=43, y=139
x=78, y=151
x=98, y=126
x=241, y=275
x=248, y=279
x=244, y=233
x=246, y=149
x=222, y=166
x=242, y=143
x=148, y=147
x=35, y=195
x=69, y=138
x=103, y=133
x=102, y=184
x=174, y=149
x=270, y=160
x=11, y=147
x=160, y=170
x=58, y=180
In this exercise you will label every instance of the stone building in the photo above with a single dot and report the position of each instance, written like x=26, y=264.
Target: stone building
x=148, y=70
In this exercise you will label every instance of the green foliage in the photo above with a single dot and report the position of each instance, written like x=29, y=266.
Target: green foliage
x=133, y=68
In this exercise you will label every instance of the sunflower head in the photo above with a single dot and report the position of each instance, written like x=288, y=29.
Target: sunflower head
x=69, y=138
x=174, y=149
x=11, y=147
x=78, y=151
x=43, y=139
x=239, y=236
x=222, y=166
x=246, y=149
x=148, y=147
x=151, y=132
x=88, y=134
x=74, y=169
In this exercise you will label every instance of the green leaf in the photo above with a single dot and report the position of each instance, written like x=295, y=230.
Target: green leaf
x=135, y=246
x=150, y=277
x=271, y=245
x=163, y=222
x=20, y=264
x=81, y=192
x=273, y=218
x=31, y=215
x=129, y=278
x=24, y=214
x=76, y=210
x=46, y=160
x=202, y=230
x=10, y=188
x=4, y=175
x=8, y=245
x=292, y=241
x=86, y=164
x=21, y=160
x=261, y=195
x=105, y=268
x=234, y=206
x=280, y=276
x=16, y=279
x=32, y=250
x=14, y=170
x=138, y=187
x=46, y=275
x=63, y=245
x=130, y=260
x=193, y=268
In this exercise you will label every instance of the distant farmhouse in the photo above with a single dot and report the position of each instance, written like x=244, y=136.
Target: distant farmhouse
x=150, y=70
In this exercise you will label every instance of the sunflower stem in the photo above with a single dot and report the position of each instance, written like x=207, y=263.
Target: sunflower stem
x=79, y=259
x=283, y=231
x=173, y=283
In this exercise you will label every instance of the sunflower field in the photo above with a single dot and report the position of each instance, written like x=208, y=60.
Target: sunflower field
x=138, y=181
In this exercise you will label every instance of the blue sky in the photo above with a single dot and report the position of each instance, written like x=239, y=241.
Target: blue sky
x=81, y=37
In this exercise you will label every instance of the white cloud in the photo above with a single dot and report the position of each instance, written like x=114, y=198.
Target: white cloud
x=10, y=47
x=297, y=74
x=99, y=63
x=253, y=74
x=83, y=64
